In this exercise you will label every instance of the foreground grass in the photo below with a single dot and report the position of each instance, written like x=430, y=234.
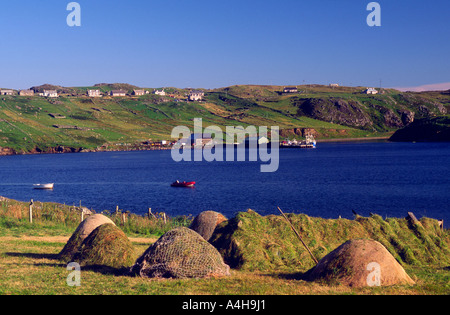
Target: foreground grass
x=28, y=266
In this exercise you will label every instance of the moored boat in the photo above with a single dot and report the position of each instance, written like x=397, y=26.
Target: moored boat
x=43, y=186
x=183, y=184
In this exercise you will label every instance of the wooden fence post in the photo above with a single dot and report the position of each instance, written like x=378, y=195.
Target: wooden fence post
x=31, y=210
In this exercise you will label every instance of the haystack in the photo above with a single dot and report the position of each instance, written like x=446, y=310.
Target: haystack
x=181, y=253
x=106, y=246
x=206, y=222
x=360, y=263
x=83, y=230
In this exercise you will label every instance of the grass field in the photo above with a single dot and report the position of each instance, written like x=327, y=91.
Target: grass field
x=29, y=264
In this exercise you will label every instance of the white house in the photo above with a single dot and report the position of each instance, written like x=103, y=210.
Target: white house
x=6, y=92
x=371, y=91
x=118, y=93
x=138, y=92
x=290, y=89
x=50, y=93
x=161, y=93
x=94, y=93
x=26, y=93
x=196, y=95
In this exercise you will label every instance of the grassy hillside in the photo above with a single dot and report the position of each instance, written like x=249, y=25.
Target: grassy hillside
x=74, y=122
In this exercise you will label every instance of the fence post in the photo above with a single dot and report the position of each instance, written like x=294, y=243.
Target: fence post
x=31, y=210
x=150, y=214
x=124, y=218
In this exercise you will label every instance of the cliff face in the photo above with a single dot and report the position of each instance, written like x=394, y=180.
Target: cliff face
x=378, y=113
x=425, y=130
x=335, y=110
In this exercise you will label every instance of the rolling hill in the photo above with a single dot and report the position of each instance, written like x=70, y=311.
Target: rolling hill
x=74, y=122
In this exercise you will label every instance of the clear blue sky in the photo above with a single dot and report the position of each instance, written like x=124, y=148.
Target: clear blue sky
x=212, y=43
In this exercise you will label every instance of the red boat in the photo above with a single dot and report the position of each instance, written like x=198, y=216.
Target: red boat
x=183, y=184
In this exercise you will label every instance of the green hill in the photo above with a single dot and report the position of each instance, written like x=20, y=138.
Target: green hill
x=75, y=122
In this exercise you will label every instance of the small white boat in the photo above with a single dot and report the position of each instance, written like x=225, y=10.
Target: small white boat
x=43, y=186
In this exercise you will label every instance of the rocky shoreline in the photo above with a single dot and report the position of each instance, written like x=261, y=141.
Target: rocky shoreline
x=64, y=149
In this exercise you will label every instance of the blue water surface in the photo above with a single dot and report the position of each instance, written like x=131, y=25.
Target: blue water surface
x=389, y=179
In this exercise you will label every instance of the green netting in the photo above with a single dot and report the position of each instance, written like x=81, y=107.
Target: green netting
x=181, y=253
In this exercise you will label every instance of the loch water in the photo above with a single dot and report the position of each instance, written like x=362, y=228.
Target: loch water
x=389, y=179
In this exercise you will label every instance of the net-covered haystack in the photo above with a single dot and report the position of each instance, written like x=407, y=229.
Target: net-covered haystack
x=206, y=222
x=359, y=263
x=106, y=246
x=83, y=230
x=181, y=253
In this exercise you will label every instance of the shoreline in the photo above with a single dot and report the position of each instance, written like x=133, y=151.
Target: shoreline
x=5, y=151
x=367, y=139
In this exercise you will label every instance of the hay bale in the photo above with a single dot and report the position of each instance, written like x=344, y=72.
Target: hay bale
x=106, y=246
x=206, y=222
x=83, y=230
x=352, y=264
x=181, y=253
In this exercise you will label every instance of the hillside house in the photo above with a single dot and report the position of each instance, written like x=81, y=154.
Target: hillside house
x=196, y=95
x=94, y=93
x=118, y=93
x=26, y=93
x=50, y=93
x=6, y=92
x=138, y=92
x=290, y=89
x=371, y=91
x=198, y=139
x=160, y=93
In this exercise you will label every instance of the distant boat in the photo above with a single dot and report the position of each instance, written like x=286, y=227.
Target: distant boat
x=183, y=184
x=43, y=186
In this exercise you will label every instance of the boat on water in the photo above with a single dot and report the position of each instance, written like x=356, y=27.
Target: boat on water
x=182, y=184
x=43, y=186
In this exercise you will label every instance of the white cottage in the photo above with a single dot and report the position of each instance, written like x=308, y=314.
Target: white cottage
x=196, y=95
x=94, y=93
x=50, y=93
x=371, y=91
